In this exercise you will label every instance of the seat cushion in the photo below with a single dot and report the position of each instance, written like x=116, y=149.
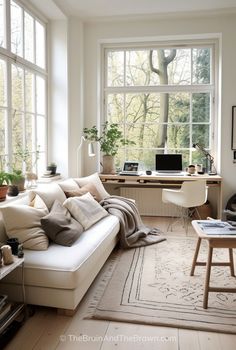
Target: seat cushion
x=66, y=267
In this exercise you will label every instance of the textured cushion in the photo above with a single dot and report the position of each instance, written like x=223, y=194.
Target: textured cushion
x=60, y=227
x=95, y=180
x=68, y=185
x=83, y=190
x=23, y=222
x=49, y=193
x=85, y=209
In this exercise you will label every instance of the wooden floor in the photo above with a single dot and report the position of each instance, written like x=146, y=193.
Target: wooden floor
x=47, y=331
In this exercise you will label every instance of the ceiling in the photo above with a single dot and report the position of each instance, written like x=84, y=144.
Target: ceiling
x=95, y=9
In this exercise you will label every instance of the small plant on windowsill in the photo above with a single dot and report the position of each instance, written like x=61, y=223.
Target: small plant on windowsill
x=110, y=140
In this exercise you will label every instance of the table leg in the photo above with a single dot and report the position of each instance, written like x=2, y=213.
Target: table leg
x=208, y=274
x=231, y=259
x=195, y=256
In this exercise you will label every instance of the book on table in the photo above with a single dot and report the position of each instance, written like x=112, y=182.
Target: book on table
x=216, y=227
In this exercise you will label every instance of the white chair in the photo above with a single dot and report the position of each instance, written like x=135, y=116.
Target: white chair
x=191, y=195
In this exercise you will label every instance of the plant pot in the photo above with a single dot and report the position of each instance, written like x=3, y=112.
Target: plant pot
x=108, y=165
x=52, y=168
x=3, y=192
x=20, y=183
x=13, y=190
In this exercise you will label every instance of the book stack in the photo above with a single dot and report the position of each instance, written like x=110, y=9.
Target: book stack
x=5, y=306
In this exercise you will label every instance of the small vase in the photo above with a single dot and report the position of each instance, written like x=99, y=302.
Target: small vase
x=108, y=165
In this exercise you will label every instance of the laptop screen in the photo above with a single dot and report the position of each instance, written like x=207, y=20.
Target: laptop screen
x=130, y=166
x=169, y=162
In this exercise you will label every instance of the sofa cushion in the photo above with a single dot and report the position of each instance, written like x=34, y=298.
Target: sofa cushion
x=85, y=209
x=91, y=188
x=23, y=222
x=60, y=227
x=48, y=194
x=67, y=267
x=95, y=180
x=68, y=185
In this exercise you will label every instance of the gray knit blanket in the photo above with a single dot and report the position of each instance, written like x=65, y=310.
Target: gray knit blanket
x=133, y=232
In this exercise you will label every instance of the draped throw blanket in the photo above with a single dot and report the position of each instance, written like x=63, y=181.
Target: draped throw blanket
x=133, y=232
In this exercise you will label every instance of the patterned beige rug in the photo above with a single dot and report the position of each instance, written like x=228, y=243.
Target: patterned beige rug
x=152, y=285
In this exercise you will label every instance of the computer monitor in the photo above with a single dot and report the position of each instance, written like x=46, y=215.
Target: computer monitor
x=169, y=163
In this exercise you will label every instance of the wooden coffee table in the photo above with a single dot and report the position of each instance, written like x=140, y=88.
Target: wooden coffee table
x=214, y=241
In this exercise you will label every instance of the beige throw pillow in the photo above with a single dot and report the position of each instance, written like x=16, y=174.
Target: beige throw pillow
x=85, y=210
x=95, y=180
x=49, y=193
x=23, y=222
x=68, y=185
x=83, y=190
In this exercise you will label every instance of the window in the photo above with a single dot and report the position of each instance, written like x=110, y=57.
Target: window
x=23, y=83
x=162, y=99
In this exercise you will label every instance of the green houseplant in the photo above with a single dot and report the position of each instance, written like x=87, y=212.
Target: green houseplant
x=5, y=180
x=110, y=140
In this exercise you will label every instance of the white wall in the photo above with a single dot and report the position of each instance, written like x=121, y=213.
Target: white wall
x=224, y=24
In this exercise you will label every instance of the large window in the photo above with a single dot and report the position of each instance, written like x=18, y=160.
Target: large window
x=23, y=117
x=162, y=98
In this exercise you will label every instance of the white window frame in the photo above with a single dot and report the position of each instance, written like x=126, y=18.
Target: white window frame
x=212, y=41
x=11, y=58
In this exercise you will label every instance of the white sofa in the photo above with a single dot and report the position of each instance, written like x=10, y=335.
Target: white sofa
x=60, y=276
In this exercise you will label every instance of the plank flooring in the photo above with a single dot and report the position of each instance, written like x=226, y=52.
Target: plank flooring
x=46, y=330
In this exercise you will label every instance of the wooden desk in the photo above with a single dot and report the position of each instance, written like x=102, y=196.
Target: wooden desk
x=214, y=241
x=165, y=181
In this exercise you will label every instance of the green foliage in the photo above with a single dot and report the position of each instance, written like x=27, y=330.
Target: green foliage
x=7, y=178
x=110, y=140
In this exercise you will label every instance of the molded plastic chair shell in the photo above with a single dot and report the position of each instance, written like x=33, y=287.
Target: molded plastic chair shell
x=191, y=194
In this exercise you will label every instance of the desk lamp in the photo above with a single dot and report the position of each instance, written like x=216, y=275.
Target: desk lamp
x=91, y=152
x=209, y=158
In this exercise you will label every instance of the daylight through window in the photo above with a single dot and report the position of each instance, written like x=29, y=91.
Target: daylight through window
x=162, y=98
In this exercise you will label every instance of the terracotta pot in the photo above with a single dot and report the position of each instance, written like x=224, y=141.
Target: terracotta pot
x=108, y=165
x=3, y=192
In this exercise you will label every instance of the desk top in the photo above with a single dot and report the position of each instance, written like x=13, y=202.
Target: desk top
x=159, y=178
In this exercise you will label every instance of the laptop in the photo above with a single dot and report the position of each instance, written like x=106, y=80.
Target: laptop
x=130, y=168
x=169, y=164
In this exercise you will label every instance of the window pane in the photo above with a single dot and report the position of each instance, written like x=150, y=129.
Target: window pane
x=179, y=69
x=40, y=95
x=17, y=136
x=2, y=133
x=138, y=69
x=115, y=108
x=115, y=68
x=142, y=108
x=201, y=66
x=40, y=45
x=144, y=136
x=2, y=25
x=29, y=92
x=17, y=88
x=29, y=132
x=16, y=29
x=179, y=107
x=41, y=133
x=29, y=37
x=3, y=84
x=201, y=107
x=201, y=134
x=178, y=136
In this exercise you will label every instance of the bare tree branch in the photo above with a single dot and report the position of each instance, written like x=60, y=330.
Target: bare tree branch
x=153, y=69
x=171, y=56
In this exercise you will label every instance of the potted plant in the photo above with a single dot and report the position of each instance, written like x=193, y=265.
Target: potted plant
x=5, y=180
x=110, y=140
x=18, y=179
x=52, y=167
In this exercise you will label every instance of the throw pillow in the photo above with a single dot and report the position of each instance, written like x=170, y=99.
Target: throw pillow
x=23, y=222
x=68, y=185
x=83, y=190
x=85, y=209
x=60, y=227
x=95, y=180
x=49, y=193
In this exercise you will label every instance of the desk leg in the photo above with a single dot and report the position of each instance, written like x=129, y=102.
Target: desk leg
x=195, y=256
x=231, y=259
x=208, y=274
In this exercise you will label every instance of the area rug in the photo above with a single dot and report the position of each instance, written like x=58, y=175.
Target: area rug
x=152, y=285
